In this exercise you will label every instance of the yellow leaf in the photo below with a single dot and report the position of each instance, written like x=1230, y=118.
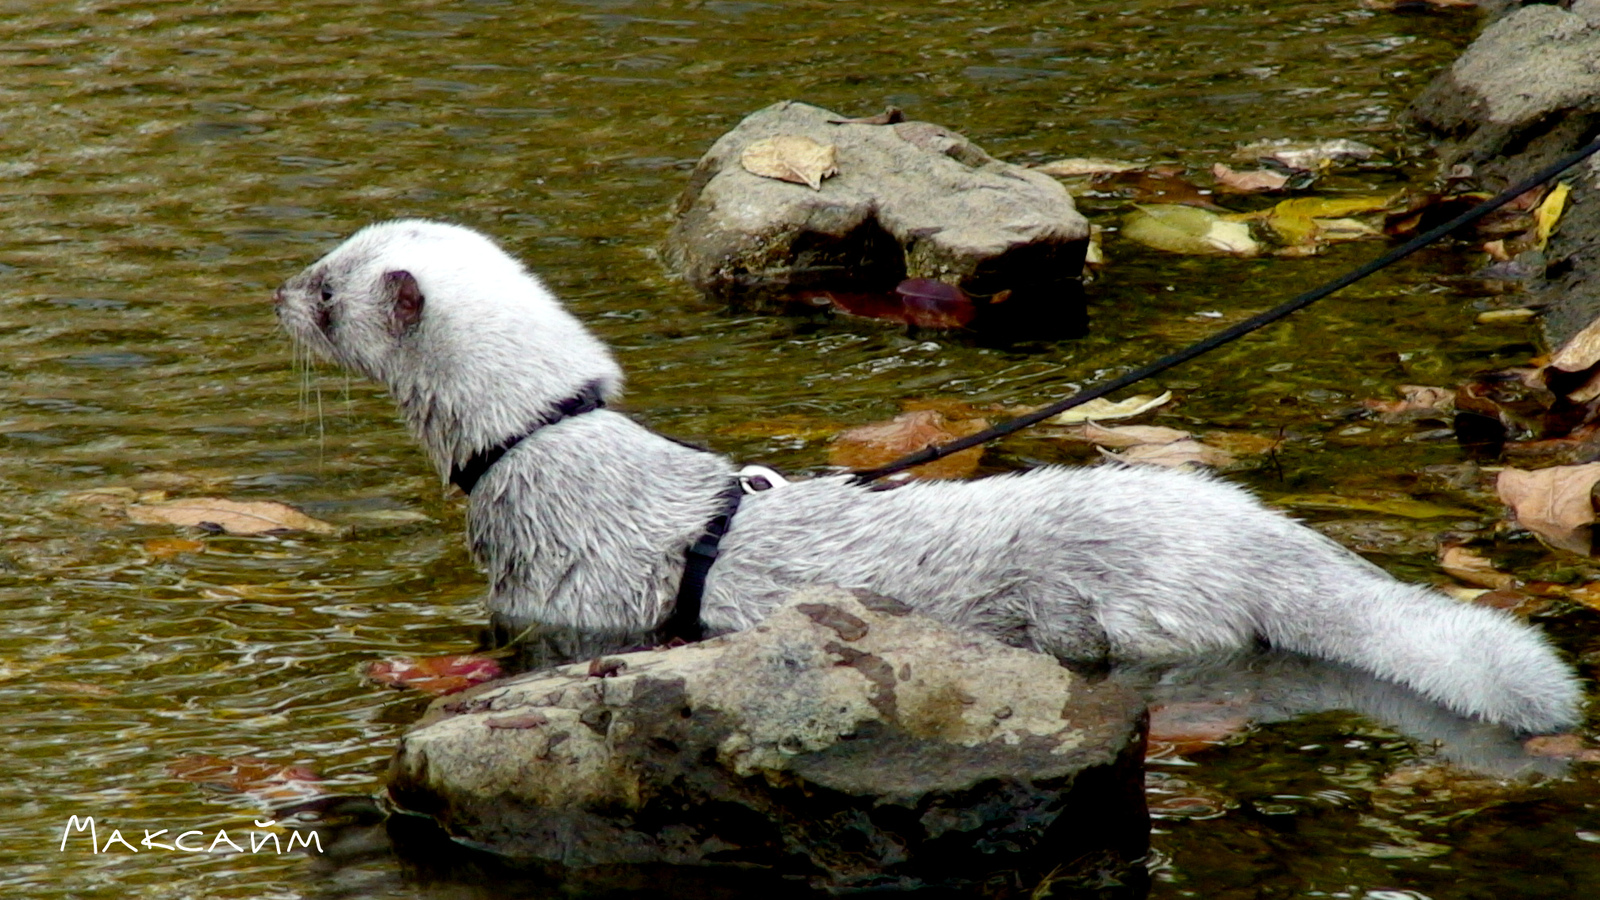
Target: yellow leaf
x=1549, y=213
x=1398, y=506
x=1186, y=229
x=1080, y=167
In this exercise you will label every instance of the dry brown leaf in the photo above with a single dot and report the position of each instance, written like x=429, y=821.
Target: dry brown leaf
x=1587, y=594
x=1131, y=435
x=1415, y=399
x=791, y=157
x=1553, y=503
x=1248, y=182
x=1467, y=566
x=874, y=445
x=1079, y=167
x=166, y=548
x=1173, y=455
x=231, y=516
x=1580, y=352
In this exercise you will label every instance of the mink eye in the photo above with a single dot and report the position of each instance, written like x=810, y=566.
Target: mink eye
x=327, y=292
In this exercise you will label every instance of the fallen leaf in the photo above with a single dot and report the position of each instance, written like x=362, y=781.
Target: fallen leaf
x=437, y=675
x=1309, y=221
x=1464, y=565
x=1185, y=229
x=1095, y=254
x=868, y=446
x=791, y=157
x=1248, y=182
x=272, y=782
x=1102, y=410
x=1519, y=314
x=1308, y=155
x=78, y=687
x=1131, y=435
x=1080, y=167
x=167, y=548
x=1416, y=399
x=1562, y=746
x=934, y=304
x=1405, y=507
x=1172, y=455
x=1554, y=503
x=1512, y=600
x=1156, y=185
x=1170, y=797
x=1188, y=727
x=231, y=516
x=1580, y=352
x=1549, y=213
x=1587, y=594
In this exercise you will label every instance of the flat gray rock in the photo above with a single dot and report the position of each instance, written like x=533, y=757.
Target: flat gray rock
x=910, y=200
x=845, y=740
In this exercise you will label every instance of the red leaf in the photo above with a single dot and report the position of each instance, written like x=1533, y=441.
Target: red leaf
x=437, y=675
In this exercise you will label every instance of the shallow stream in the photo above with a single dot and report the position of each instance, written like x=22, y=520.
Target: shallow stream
x=164, y=165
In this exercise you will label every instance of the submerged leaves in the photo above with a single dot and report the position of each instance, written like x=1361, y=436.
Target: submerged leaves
x=230, y=516
x=1185, y=229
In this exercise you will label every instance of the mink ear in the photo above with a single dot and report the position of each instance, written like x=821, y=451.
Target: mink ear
x=405, y=298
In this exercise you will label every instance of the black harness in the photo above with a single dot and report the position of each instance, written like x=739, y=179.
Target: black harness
x=684, y=623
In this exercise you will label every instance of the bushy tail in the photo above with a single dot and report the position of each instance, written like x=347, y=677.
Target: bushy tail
x=1477, y=661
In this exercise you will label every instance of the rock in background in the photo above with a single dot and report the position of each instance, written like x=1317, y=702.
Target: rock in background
x=910, y=200
x=1526, y=92
x=844, y=740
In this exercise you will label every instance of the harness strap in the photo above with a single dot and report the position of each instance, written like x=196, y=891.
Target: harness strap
x=465, y=476
x=684, y=622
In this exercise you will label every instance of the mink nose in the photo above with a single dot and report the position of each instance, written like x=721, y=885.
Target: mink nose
x=278, y=296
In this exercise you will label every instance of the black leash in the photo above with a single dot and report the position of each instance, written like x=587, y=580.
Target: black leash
x=939, y=451
x=466, y=476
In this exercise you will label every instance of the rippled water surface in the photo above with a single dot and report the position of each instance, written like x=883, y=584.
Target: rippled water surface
x=164, y=165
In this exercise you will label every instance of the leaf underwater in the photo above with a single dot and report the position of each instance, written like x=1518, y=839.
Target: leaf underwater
x=1188, y=230
x=232, y=516
x=873, y=445
x=436, y=675
x=1554, y=503
x=1101, y=410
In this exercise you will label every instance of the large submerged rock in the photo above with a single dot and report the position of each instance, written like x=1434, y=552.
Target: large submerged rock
x=911, y=200
x=844, y=740
x=1523, y=94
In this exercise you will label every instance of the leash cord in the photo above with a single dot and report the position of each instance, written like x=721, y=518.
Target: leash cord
x=939, y=451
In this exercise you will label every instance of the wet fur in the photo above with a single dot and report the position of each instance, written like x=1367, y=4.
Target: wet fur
x=585, y=523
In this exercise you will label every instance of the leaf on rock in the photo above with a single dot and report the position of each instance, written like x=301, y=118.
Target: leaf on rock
x=230, y=516
x=275, y=783
x=791, y=157
x=436, y=675
x=1102, y=410
x=1554, y=503
x=1185, y=229
x=1252, y=182
x=873, y=445
x=1083, y=166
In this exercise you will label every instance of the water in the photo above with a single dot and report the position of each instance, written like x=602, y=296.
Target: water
x=164, y=165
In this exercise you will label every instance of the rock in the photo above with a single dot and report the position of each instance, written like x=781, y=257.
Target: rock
x=1523, y=94
x=845, y=740
x=910, y=200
